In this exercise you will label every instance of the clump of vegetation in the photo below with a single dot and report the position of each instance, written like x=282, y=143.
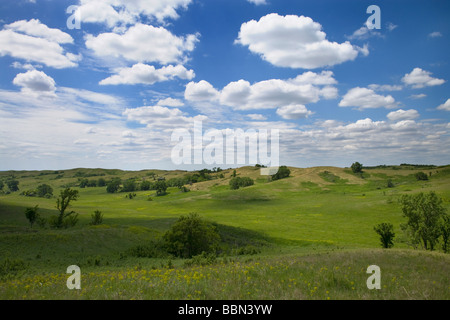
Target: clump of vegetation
x=283, y=172
x=386, y=233
x=10, y=268
x=44, y=191
x=357, y=167
x=161, y=188
x=114, y=185
x=203, y=259
x=239, y=182
x=32, y=215
x=190, y=236
x=96, y=218
x=421, y=176
x=425, y=219
x=154, y=249
x=390, y=184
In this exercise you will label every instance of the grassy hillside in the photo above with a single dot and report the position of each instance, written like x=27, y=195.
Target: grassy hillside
x=323, y=209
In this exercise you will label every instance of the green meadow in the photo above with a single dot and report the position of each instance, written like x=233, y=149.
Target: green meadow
x=308, y=236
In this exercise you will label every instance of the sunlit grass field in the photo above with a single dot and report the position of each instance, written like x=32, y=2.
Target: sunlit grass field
x=313, y=231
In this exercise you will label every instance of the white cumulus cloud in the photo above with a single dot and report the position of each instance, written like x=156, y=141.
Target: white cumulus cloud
x=363, y=98
x=143, y=43
x=419, y=78
x=293, y=41
x=445, y=106
x=145, y=74
x=401, y=114
x=35, y=82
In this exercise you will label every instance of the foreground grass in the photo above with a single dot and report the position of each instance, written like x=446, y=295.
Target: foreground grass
x=405, y=274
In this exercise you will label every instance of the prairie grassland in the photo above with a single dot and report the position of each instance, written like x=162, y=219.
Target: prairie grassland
x=317, y=218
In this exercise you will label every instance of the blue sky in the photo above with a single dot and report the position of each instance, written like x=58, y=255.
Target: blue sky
x=110, y=93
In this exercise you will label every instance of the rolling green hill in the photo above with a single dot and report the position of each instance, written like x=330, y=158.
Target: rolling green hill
x=321, y=213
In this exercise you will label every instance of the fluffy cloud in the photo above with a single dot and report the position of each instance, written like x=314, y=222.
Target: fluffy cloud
x=363, y=98
x=134, y=45
x=201, y=91
x=35, y=82
x=35, y=28
x=161, y=118
x=403, y=115
x=146, y=74
x=419, y=78
x=445, y=106
x=293, y=41
x=294, y=112
x=35, y=49
x=113, y=12
x=170, y=102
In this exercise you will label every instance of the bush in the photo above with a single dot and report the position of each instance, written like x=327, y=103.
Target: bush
x=13, y=185
x=155, y=249
x=44, y=190
x=32, y=215
x=190, y=236
x=390, y=184
x=146, y=185
x=386, y=232
x=129, y=186
x=113, y=186
x=357, y=167
x=283, y=172
x=96, y=218
x=203, y=259
x=239, y=182
x=421, y=176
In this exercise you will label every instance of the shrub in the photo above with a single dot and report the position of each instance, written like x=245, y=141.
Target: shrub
x=129, y=186
x=190, y=236
x=113, y=186
x=390, y=184
x=32, y=215
x=283, y=172
x=96, y=218
x=44, y=190
x=13, y=185
x=239, y=182
x=357, y=167
x=421, y=176
x=155, y=249
x=203, y=259
x=386, y=232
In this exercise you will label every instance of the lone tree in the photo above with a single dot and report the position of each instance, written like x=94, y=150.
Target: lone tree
x=62, y=203
x=425, y=213
x=283, y=172
x=386, y=232
x=357, y=167
x=114, y=185
x=161, y=187
x=190, y=236
x=32, y=215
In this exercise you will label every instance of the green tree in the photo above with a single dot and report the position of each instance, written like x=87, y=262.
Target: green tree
x=129, y=186
x=1, y=185
x=445, y=231
x=190, y=236
x=357, y=167
x=283, y=172
x=62, y=203
x=145, y=185
x=234, y=174
x=160, y=187
x=13, y=185
x=101, y=182
x=44, y=190
x=386, y=233
x=114, y=185
x=32, y=215
x=424, y=213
